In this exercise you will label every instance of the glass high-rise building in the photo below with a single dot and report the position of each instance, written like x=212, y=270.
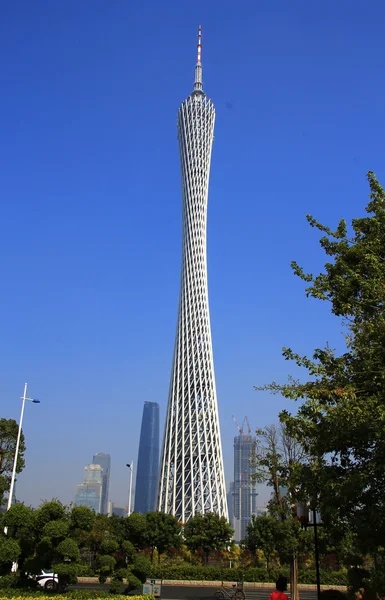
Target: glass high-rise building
x=148, y=460
x=230, y=495
x=104, y=460
x=244, y=491
x=89, y=493
x=192, y=476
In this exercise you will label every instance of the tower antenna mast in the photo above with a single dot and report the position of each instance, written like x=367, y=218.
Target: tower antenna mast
x=198, y=85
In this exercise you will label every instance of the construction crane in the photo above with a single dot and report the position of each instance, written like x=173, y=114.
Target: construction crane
x=241, y=427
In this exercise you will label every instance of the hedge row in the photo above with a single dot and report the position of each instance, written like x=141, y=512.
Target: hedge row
x=252, y=574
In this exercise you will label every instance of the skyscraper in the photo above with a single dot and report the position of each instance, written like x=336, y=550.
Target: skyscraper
x=89, y=493
x=245, y=493
x=104, y=460
x=192, y=477
x=148, y=460
x=230, y=498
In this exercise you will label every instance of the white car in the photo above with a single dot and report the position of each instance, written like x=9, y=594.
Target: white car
x=47, y=579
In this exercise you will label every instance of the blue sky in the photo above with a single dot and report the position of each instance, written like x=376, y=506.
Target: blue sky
x=90, y=228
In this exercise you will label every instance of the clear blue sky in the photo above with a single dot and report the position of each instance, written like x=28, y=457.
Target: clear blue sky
x=90, y=228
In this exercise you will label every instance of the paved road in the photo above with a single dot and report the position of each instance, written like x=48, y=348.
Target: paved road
x=170, y=592
x=185, y=592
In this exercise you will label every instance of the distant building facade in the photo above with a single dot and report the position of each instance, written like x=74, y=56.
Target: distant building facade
x=104, y=460
x=148, y=460
x=245, y=493
x=89, y=493
x=118, y=511
x=230, y=502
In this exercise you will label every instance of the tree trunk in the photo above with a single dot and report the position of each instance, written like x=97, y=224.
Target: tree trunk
x=294, y=578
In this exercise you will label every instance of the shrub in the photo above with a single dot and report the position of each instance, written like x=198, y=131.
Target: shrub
x=115, y=585
x=85, y=570
x=9, y=581
x=251, y=574
x=357, y=578
x=133, y=583
x=333, y=595
x=141, y=568
x=86, y=594
x=67, y=573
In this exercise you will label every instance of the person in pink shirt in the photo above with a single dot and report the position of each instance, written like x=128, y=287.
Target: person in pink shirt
x=279, y=593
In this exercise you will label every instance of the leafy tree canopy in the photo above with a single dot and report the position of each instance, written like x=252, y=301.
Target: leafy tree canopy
x=8, y=436
x=341, y=421
x=207, y=532
x=163, y=531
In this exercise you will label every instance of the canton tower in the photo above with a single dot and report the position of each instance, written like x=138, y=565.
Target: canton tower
x=192, y=477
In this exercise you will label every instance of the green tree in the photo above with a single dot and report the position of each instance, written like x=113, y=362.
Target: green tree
x=136, y=530
x=106, y=566
x=82, y=518
x=50, y=511
x=341, y=421
x=65, y=562
x=21, y=524
x=8, y=436
x=163, y=532
x=129, y=551
x=263, y=534
x=207, y=533
x=9, y=553
x=278, y=461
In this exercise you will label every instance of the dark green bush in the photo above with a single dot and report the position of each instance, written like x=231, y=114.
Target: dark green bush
x=67, y=573
x=9, y=581
x=251, y=574
x=116, y=585
x=133, y=583
x=141, y=568
x=357, y=577
x=86, y=594
x=333, y=595
x=85, y=570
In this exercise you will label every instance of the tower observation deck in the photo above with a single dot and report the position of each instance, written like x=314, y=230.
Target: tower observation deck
x=191, y=474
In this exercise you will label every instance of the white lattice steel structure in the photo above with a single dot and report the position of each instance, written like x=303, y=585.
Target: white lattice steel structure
x=192, y=477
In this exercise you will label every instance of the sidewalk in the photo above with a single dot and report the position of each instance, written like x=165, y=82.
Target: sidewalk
x=250, y=585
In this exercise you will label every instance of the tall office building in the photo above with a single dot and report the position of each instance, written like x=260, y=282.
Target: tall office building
x=245, y=493
x=89, y=493
x=192, y=476
x=148, y=460
x=104, y=460
x=230, y=497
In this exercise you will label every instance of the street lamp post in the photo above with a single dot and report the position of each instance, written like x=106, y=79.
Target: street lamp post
x=301, y=512
x=131, y=467
x=35, y=401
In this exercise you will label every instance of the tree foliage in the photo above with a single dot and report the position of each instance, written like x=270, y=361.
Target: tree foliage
x=341, y=421
x=207, y=533
x=163, y=532
x=8, y=436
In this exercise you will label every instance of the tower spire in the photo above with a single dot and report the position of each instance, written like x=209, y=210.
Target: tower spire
x=198, y=68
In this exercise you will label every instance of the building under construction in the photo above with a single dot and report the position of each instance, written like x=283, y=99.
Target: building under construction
x=244, y=490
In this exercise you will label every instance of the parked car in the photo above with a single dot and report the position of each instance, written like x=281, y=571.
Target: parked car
x=47, y=579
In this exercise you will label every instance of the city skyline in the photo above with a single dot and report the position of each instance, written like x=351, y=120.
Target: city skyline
x=104, y=460
x=192, y=478
x=90, y=492
x=91, y=220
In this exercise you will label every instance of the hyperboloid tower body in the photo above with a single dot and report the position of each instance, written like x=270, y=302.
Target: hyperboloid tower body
x=192, y=476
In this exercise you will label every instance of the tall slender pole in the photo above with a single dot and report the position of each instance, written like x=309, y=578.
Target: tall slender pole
x=316, y=549
x=17, y=449
x=130, y=466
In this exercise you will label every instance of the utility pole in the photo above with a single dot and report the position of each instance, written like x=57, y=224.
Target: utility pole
x=131, y=467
